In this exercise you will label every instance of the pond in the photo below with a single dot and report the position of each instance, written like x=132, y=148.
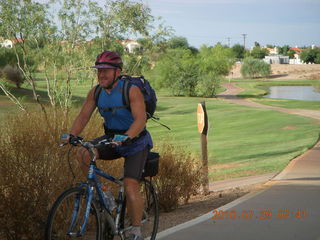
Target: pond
x=294, y=92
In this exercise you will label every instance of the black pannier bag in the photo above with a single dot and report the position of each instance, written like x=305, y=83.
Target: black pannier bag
x=152, y=165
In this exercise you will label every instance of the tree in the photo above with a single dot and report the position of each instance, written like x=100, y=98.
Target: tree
x=24, y=21
x=178, y=42
x=217, y=59
x=214, y=63
x=177, y=70
x=253, y=68
x=239, y=51
x=286, y=51
x=65, y=55
x=258, y=52
x=311, y=55
x=120, y=19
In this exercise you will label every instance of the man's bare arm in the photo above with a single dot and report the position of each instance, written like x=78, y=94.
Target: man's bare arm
x=85, y=114
x=138, y=110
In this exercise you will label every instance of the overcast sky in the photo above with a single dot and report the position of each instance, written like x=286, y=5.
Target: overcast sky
x=276, y=22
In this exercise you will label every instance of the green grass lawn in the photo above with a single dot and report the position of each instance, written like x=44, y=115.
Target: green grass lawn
x=242, y=141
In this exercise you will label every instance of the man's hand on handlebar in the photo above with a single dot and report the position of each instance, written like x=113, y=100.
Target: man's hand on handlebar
x=71, y=139
x=121, y=139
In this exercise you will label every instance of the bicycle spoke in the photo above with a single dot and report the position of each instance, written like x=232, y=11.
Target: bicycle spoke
x=68, y=214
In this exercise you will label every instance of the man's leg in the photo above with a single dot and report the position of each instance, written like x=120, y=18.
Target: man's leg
x=83, y=157
x=134, y=200
x=133, y=168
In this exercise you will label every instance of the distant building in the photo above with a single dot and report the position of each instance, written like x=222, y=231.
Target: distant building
x=279, y=59
x=273, y=51
x=7, y=43
x=130, y=45
x=297, y=52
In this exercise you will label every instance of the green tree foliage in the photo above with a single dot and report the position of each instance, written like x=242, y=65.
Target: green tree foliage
x=214, y=63
x=178, y=42
x=25, y=21
x=7, y=57
x=258, y=52
x=286, y=51
x=208, y=84
x=177, y=70
x=62, y=53
x=311, y=55
x=185, y=73
x=239, y=51
x=218, y=59
x=253, y=68
x=119, y=19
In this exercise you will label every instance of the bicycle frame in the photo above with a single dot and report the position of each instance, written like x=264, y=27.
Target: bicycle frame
x=92, y=195
x=92, y=183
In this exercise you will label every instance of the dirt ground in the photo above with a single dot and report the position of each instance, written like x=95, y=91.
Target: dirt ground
x=201, y=204
x=286, y=71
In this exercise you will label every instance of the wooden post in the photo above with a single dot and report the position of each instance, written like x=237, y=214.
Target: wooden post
x=203, y=130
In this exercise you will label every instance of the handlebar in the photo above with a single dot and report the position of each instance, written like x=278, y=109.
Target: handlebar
x=89, y=145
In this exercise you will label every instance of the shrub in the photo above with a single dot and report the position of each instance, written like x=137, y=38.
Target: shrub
x=311, y=55
x=13, y=74
x=208, y=85
x=255, y=68
x=179, y=176
x=7, y=57
x=34, y=170
x=177, y=70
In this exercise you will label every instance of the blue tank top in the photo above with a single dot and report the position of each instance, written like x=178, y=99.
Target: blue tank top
x=119, y=118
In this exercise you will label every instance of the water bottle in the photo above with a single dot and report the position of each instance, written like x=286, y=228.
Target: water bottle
x=111, y=203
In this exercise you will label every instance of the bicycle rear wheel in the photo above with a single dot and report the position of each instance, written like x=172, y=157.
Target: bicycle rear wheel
x=150, y=217
x=67, y=215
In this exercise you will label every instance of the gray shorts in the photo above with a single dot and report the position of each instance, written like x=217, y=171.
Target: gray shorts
x=133, y=164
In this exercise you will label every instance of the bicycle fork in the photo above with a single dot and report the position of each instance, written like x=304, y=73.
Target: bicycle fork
x=89, y=196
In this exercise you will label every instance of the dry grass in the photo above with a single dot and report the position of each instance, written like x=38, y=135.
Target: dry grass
x=315, y=76
x=179, y=176
x=34, y=170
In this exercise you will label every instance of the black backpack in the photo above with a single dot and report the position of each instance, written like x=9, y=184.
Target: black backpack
x=149, y=94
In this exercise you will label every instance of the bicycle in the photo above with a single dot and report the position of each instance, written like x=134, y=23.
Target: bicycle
x=83, y=212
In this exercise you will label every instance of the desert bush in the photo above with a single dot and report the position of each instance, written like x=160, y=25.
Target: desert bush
x=34, y=170
x=252, y=68
x=208, y=85
x=13, y=74
x=179, y=176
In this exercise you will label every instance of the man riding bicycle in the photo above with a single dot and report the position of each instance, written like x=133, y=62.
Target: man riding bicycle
x=125, y=125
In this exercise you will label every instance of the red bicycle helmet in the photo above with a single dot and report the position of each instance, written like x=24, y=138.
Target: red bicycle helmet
x=108, y=59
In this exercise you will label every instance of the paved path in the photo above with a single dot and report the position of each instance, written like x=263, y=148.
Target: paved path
x=240, y=182
x=289, y=208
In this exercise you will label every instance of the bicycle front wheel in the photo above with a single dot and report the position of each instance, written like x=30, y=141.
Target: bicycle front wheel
x=68, y=215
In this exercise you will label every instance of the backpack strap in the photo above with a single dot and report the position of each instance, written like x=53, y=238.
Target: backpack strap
x=125, y=93
x=125, y=97
x=96, y=94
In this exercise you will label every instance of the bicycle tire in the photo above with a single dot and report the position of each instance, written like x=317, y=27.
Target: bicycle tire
x=60, y=215
x=150, y=218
